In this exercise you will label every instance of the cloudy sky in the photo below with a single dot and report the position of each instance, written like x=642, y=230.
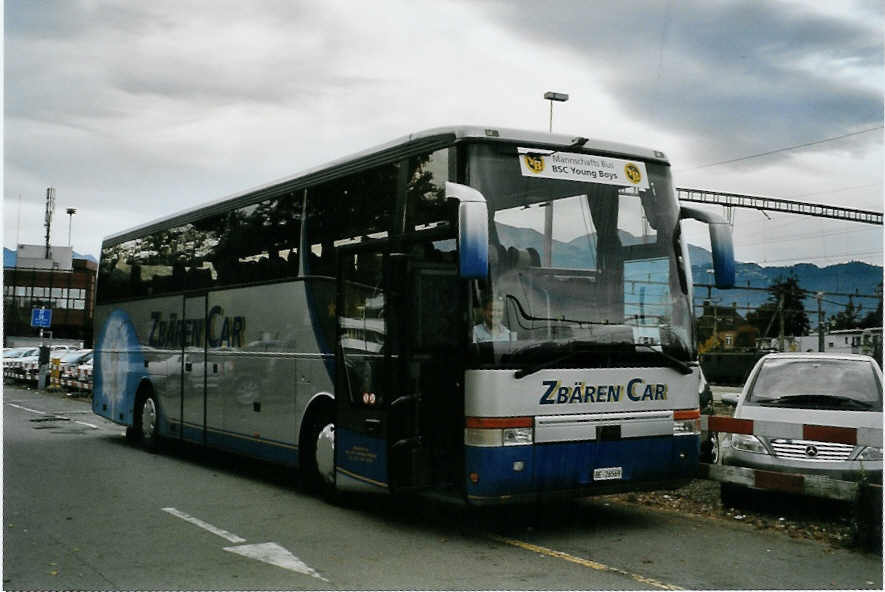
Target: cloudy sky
x=135, y=110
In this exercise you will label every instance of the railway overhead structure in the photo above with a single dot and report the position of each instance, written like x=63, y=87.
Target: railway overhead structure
x=735, y=200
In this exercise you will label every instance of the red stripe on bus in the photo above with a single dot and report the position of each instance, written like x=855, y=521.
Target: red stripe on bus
x=686, y=413
x=718, y=423
x=830, y=434
x=499, y=422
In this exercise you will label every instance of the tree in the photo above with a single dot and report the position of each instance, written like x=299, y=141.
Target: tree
x=784, y=296
x=846, y=319
x=874, y=318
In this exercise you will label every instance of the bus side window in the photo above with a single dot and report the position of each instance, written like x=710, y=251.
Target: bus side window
x=345, y=210
x=425, y=195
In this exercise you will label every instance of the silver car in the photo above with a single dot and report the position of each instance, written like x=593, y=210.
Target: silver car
x=810, y=388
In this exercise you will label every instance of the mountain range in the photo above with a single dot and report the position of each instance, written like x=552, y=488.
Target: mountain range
x=854, y=277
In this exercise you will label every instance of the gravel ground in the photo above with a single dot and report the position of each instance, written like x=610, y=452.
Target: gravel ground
x=825, y=521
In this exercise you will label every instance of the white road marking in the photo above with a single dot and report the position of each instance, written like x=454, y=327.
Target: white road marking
x=271, y=553
x=205, y=525
x=274, y=554
x=29, y=410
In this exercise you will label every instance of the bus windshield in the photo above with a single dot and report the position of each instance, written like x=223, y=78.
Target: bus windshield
x=578, y=268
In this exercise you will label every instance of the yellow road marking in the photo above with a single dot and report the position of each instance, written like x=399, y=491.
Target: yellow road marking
x=585, y=562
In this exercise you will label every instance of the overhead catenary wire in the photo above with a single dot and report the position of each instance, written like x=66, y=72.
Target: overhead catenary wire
x=784, y=149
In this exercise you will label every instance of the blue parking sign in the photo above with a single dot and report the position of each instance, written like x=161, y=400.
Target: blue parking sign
x=41, y=317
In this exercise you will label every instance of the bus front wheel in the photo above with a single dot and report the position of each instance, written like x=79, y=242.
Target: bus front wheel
x=318, y=448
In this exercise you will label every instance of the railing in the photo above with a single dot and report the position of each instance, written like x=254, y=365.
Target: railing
x=70, y=378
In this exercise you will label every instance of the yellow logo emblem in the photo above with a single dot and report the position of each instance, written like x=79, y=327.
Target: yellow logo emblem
x=632, y=172
x=535, y=163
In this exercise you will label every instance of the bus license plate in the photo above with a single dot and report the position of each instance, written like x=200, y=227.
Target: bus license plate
x=608, y=474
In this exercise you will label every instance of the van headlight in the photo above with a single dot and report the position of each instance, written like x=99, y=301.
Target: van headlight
x=747, y=443
x=870, y=453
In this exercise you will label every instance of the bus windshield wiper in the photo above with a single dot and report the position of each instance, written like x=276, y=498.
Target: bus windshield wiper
x=530, y=317
x=676, y=363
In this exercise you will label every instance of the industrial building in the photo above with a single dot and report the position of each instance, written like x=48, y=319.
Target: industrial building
x=48, y=277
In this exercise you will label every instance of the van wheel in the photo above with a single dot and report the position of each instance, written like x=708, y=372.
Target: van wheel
x=710, y=449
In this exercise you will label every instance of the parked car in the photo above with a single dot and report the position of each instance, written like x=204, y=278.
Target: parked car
x=842, y=390
x=17, y=352
x=73, y=357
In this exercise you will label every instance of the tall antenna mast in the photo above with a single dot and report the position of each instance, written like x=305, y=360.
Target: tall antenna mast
x=50, y=209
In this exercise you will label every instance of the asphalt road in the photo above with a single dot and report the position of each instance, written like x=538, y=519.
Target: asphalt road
x=84, y=509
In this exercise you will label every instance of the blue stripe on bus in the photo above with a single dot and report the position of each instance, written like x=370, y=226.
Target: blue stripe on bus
x=270, y=450
x=316, y=310
x=361, y=455
x=569, y=465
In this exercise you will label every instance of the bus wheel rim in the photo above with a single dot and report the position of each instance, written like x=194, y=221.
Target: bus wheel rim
x=325, y=453
x=148, y=418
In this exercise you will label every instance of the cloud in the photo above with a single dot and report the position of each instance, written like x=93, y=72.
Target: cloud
x=137, y=110
x=762, y=75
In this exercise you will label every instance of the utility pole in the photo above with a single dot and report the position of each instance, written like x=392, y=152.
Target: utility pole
x=820, y=322
x=715, y=323
x=780, y=313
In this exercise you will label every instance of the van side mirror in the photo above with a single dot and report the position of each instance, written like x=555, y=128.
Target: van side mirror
x=720, y=243
x=473, y=231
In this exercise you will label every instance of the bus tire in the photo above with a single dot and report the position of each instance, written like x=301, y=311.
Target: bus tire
x=318, y=452
x=146, y=421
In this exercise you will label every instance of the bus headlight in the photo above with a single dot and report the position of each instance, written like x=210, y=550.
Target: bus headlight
x=747, y=443
x=518, y=436
x=687, y=422
x=688, y=427
x=499, y=431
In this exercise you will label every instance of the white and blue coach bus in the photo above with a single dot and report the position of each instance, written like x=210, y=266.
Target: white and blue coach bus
x=489, y=314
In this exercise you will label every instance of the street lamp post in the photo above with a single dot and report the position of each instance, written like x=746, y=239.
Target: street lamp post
x=548, y=211
x=554, y=96
x=70, y=212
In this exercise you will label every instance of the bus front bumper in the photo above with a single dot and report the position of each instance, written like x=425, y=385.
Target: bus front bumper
x=514, y=473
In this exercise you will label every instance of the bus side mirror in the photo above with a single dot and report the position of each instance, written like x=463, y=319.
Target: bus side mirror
x=473, y=231
x=720, y=243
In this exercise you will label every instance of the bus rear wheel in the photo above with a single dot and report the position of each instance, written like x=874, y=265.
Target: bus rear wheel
x=145, y=425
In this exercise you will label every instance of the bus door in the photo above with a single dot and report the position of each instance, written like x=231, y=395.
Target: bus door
x=394, y=394
x=433, y=333
x=193, y=393
x=365, y=385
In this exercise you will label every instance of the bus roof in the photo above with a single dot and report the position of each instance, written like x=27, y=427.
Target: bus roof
x=428, y=140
